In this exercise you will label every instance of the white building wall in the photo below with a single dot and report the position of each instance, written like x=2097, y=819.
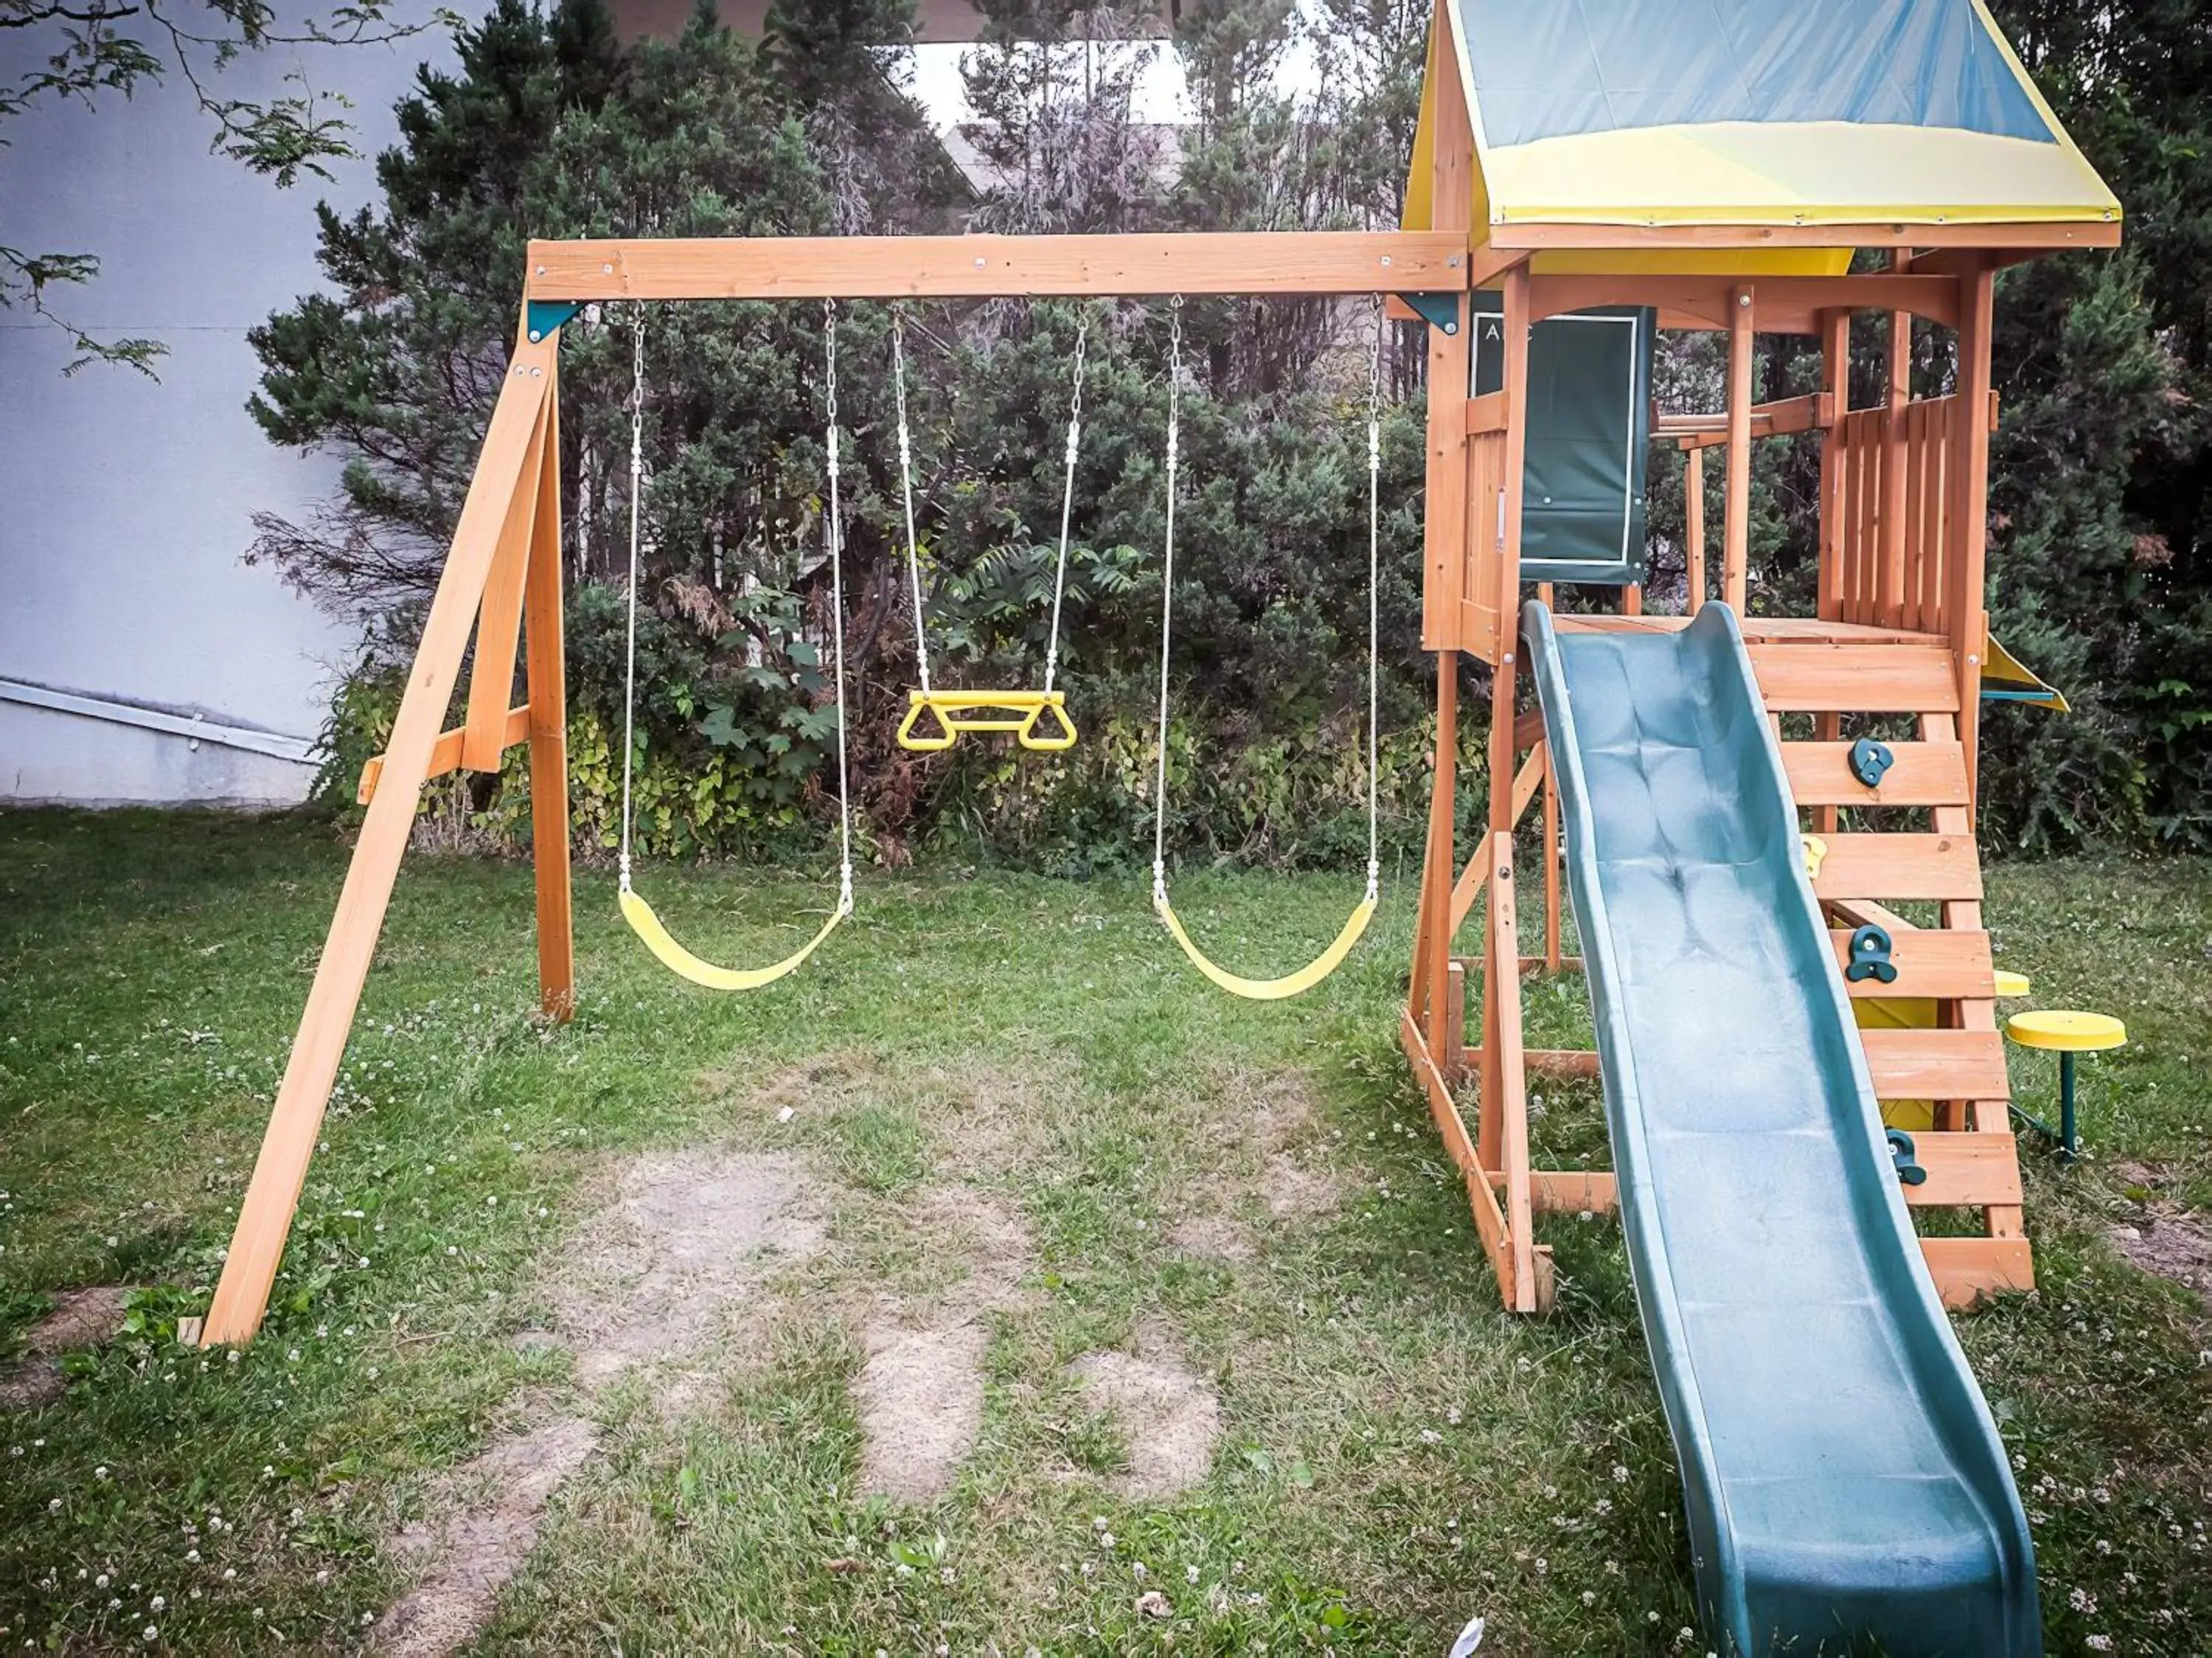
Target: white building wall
x=125, y=504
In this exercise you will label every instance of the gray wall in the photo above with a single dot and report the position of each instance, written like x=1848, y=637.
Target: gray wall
x=125, y=504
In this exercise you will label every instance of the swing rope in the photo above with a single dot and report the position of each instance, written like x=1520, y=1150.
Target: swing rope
x=1271, y=990
x=1018, y=711
x=635, y=911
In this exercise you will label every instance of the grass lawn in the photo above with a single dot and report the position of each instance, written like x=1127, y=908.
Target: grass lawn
x=1244, y=1385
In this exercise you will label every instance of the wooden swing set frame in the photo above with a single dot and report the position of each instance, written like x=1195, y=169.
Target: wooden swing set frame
x=1899, y=630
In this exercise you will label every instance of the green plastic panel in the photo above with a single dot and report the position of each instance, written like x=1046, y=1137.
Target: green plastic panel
x=1589, y=441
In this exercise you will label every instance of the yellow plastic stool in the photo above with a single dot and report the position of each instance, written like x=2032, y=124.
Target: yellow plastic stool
x=2011, y=983
x=2065, y=1033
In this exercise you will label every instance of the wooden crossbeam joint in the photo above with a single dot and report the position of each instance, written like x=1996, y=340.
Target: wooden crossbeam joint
x=446, y=755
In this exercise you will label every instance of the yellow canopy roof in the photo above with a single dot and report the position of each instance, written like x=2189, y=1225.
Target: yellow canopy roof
x=1746, y=112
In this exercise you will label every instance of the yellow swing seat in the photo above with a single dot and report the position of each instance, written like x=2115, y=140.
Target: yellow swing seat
x=700, y=970
x=1270, y=990
x=1021, y=712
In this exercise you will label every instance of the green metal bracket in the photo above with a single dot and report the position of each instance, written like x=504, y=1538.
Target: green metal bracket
x=1901, y=1155
x=542, y=317
x=1438, y=310
x=1869, y=759
x=1870, y=957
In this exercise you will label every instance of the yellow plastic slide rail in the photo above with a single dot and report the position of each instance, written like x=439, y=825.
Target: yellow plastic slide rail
x=1270, y=990
x=1022, y=711
x=678, y=960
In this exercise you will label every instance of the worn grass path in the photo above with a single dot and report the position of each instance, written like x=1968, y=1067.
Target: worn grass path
x=1161, y=1310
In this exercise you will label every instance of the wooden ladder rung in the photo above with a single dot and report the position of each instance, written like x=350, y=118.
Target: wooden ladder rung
x=1899, y=867
x=1976, y=1169
x=1931, y=961
x=1937, y=1065
x=1966, y=1269
x=1824, y=679
x=1922, y=774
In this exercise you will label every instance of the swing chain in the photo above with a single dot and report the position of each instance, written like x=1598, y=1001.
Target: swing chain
x=1066, y=502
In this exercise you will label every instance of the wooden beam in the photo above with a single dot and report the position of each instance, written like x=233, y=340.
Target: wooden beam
x=1898, y=868
x=1967, y=1268
x=445, y=754
x=1486, y=413
x=1503, y=1141
x=1489, y=1218
x=1569, y=1190
x=1811, y=413
x=1937, y=1064
x=949, y=267
x=1968, y=477
x=1966, y=1169
x=546, y=675
x=1836, y=382
x=1436, y=879
x=499, y=622
x=1921, y=774
x=1781, y=300
x=256, y=1246
x=1505, y=811
x=1693, y=509
x=1811, y=679
x=1535, y=234
x=1736, y=523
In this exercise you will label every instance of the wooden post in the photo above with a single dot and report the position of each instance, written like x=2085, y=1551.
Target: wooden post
x=1451, y=380
x=549, y=730
x=499, y=623
x=1434, y=970
x=1736, y=523
x=1889, y=591
x=1970, y=510
x=265, y=1218
x=1836, y=381
x=1506, y=589
x=1693, y=513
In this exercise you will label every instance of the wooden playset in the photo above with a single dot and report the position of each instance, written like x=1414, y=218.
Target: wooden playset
x=1777, y=236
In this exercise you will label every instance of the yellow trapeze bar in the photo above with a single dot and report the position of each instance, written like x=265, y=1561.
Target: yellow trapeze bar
x=1024, y=710
x=1273, y=990
x=673, y=956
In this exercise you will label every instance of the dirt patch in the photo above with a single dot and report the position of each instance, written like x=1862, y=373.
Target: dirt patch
x=921, y=1406
x=829, y=1079
x=498, y=1502
x=921, y=1393
x=2174, y=1245
x=685, y=1245
x=680, y=1251
x=1295, y=1192
x=1214, y=1237
x=1168, y=1415
x=81, y=1319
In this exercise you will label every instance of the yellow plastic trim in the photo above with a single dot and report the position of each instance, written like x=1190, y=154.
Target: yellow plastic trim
x=1273, y=990
x=2012, y=983
x=2064, y=1031
x=679, y=960
x=1024, y=710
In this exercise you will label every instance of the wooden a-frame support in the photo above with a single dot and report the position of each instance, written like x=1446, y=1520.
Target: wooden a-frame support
x=503, y=575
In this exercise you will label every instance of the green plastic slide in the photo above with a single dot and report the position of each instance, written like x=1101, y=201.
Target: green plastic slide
x=1845, y=1486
